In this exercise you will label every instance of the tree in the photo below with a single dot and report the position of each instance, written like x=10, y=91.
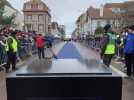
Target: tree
x=6, y=20
x=99, y=31
x=1, y=9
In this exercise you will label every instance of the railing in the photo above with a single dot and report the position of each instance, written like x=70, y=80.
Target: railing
x=25, y=50
x=96, y=44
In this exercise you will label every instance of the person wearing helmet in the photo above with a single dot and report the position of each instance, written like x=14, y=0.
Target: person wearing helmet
x=109, y=46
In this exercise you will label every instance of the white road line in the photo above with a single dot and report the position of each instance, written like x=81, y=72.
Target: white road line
x=118, y=71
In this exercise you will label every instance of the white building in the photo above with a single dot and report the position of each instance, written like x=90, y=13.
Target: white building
x=62, y=31
x=19, y=18
x=82, y=25
x=104, y=15
x=88, y=22
x=63, y=27
x=94, y=23
x=54, y=29
x=37, y=17
x=58, y=30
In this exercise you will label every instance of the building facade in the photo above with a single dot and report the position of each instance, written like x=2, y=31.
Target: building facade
x=82, y=25
x=62, y=31
x=37, y=17
x=128, y=16
x=58, y=30
x=98, y=17
x=75, y=34
x=54, y=29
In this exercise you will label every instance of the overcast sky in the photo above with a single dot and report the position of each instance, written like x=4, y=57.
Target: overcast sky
x=66, y=11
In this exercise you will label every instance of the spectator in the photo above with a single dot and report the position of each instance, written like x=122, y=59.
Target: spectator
x=11, y=48
x=49, y=43
x=129, y=51
x=24, y=43
x=40, y=43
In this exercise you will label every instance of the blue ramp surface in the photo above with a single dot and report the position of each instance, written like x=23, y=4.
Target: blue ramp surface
x=69, y=51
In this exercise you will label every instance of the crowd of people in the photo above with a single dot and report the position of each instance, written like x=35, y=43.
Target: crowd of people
x=16, y=45
x=44, y=43
x=115, y=45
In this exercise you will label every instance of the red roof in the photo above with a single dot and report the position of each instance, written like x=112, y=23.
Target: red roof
x=93, y=12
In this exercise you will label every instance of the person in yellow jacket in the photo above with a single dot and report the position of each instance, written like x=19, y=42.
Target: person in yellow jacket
x=11, y=49
x=109, y=46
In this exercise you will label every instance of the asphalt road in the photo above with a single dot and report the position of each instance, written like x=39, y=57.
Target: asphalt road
x=76, y=51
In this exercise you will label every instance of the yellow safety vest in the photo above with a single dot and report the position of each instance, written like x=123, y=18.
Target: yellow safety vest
x=110, y=48
x=14, y=45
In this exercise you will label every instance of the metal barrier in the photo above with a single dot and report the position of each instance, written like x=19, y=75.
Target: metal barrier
x=97, y=45
x=25, y=50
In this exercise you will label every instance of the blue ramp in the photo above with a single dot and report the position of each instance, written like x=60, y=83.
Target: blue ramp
x=69, y=51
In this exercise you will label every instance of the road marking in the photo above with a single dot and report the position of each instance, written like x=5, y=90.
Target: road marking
x=118, y=71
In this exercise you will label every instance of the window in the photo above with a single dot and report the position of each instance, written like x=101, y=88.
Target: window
x=34, y=6
x=35, y=18
x=98, y=23
x=40, y=28
x=25, y=17
x=116, y=10
x=108, y=22
x=27, y=6
x=29, y=17
x=29, y=26
x=40, y=18
x=40, y=6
